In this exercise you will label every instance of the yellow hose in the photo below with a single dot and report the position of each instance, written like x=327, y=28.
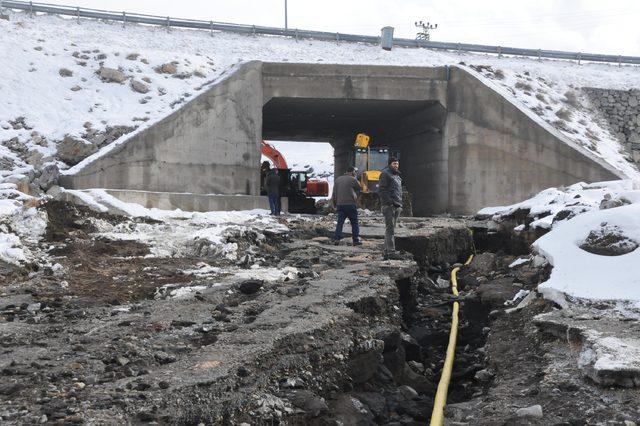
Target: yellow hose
x=437, y=416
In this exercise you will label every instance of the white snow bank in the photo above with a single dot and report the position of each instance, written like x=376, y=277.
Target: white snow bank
x=581, y=274
x=21, y=228
x=217, y=235
x=575, y=199
x=602, y=207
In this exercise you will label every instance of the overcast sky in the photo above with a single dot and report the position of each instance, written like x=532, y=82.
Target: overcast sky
x=579, y=25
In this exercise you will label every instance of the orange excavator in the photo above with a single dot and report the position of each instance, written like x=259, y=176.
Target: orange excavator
x=295, y=185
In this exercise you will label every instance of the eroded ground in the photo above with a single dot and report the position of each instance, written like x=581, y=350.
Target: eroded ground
x=274, y=325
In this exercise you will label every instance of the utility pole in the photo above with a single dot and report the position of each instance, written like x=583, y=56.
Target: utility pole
x=286, y=23
x=424, y=34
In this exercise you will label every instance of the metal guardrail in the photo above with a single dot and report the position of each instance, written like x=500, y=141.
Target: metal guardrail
x=125, y=18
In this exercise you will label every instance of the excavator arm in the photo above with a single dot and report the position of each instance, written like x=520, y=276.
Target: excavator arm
x=274, y=155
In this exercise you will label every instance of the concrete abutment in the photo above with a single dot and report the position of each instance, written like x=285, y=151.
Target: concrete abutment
x=463, y=145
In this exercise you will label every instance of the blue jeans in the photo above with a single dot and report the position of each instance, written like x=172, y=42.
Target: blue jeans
x=347, y=211
x=274, y=204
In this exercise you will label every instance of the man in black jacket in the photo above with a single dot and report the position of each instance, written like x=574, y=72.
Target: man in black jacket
x=390, y=191
x=272, y=184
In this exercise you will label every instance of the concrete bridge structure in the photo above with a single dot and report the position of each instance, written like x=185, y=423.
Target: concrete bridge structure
x=463, y=145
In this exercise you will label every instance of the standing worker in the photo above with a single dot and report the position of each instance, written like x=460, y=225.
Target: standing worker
x=345, y=194
x=390, y=191
x=272, y=183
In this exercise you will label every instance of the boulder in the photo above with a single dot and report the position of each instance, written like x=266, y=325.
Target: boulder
x=495, y=293
x=73, y=150
x=483, y=263
x=139, y=86
x=532, y=411
x=168, y=68
x=64, y=72
x=608, y=241
x=250, y=286
x=48, y=178
x=111, y=75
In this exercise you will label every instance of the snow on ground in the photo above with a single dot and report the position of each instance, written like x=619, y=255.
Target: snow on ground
x=316, y=158
x=593, y=239
x=180, y=233
x=68, y=100
x=21, y=227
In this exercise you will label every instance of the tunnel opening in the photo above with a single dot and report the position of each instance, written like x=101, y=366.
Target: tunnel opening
x=413, y=130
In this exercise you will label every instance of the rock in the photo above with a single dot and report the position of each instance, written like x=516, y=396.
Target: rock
x=76, y=88
x=122, y=361
x=139, y=86
x=608, y=241
x=64, y=72
x=4, y=17
x=483, y=263
x=363, y=367
x=133, y=56
x=73, y=150
x=164, y=358
x=495, y=293
x=484, y=375
x=308, y=401
x=49, y=177
x=532, y=411
x=146, y=79
x=407, y=392
x=250, y=286
x=35, y=158
x=163, y=385
x=168, y=68
x=110, y=75
x=348, y=410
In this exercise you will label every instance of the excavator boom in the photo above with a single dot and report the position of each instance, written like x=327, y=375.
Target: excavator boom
x=274, y=155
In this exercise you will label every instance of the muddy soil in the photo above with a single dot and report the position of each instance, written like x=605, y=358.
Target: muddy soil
x=346, y=339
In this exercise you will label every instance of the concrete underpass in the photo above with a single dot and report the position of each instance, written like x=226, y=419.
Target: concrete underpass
x=463, y=145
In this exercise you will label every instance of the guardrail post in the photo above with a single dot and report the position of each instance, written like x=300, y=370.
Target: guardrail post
x=539, y=54
x=124, y=20
x=167, y=24
x=459, y=48
x=579, y=57
x=296, y=33
x=31, y=7
x=211, y=28
x=499, y=52
x=337, y=38
x=254, y=30
x=78, y=15
x=619, y=61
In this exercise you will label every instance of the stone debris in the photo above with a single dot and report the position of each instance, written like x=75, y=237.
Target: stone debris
x=531, y=411
x=111, y=75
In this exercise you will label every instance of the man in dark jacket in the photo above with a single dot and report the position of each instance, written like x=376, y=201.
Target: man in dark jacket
x=344, y=197
x=272, y=184
x=390, y=191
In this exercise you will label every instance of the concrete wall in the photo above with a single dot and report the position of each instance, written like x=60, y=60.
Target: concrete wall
x=423, y=159
x=498, y=154
x=464, y=146
x=211, y=145
x=329, y=81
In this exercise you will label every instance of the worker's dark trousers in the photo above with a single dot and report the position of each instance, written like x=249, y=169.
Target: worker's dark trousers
x=347, y=211
x=274, y=204
x=391, y=214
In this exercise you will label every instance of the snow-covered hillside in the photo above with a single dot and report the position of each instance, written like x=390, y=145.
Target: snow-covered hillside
x=95, y=81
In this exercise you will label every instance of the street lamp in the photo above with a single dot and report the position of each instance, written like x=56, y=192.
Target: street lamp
x=286, y=24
